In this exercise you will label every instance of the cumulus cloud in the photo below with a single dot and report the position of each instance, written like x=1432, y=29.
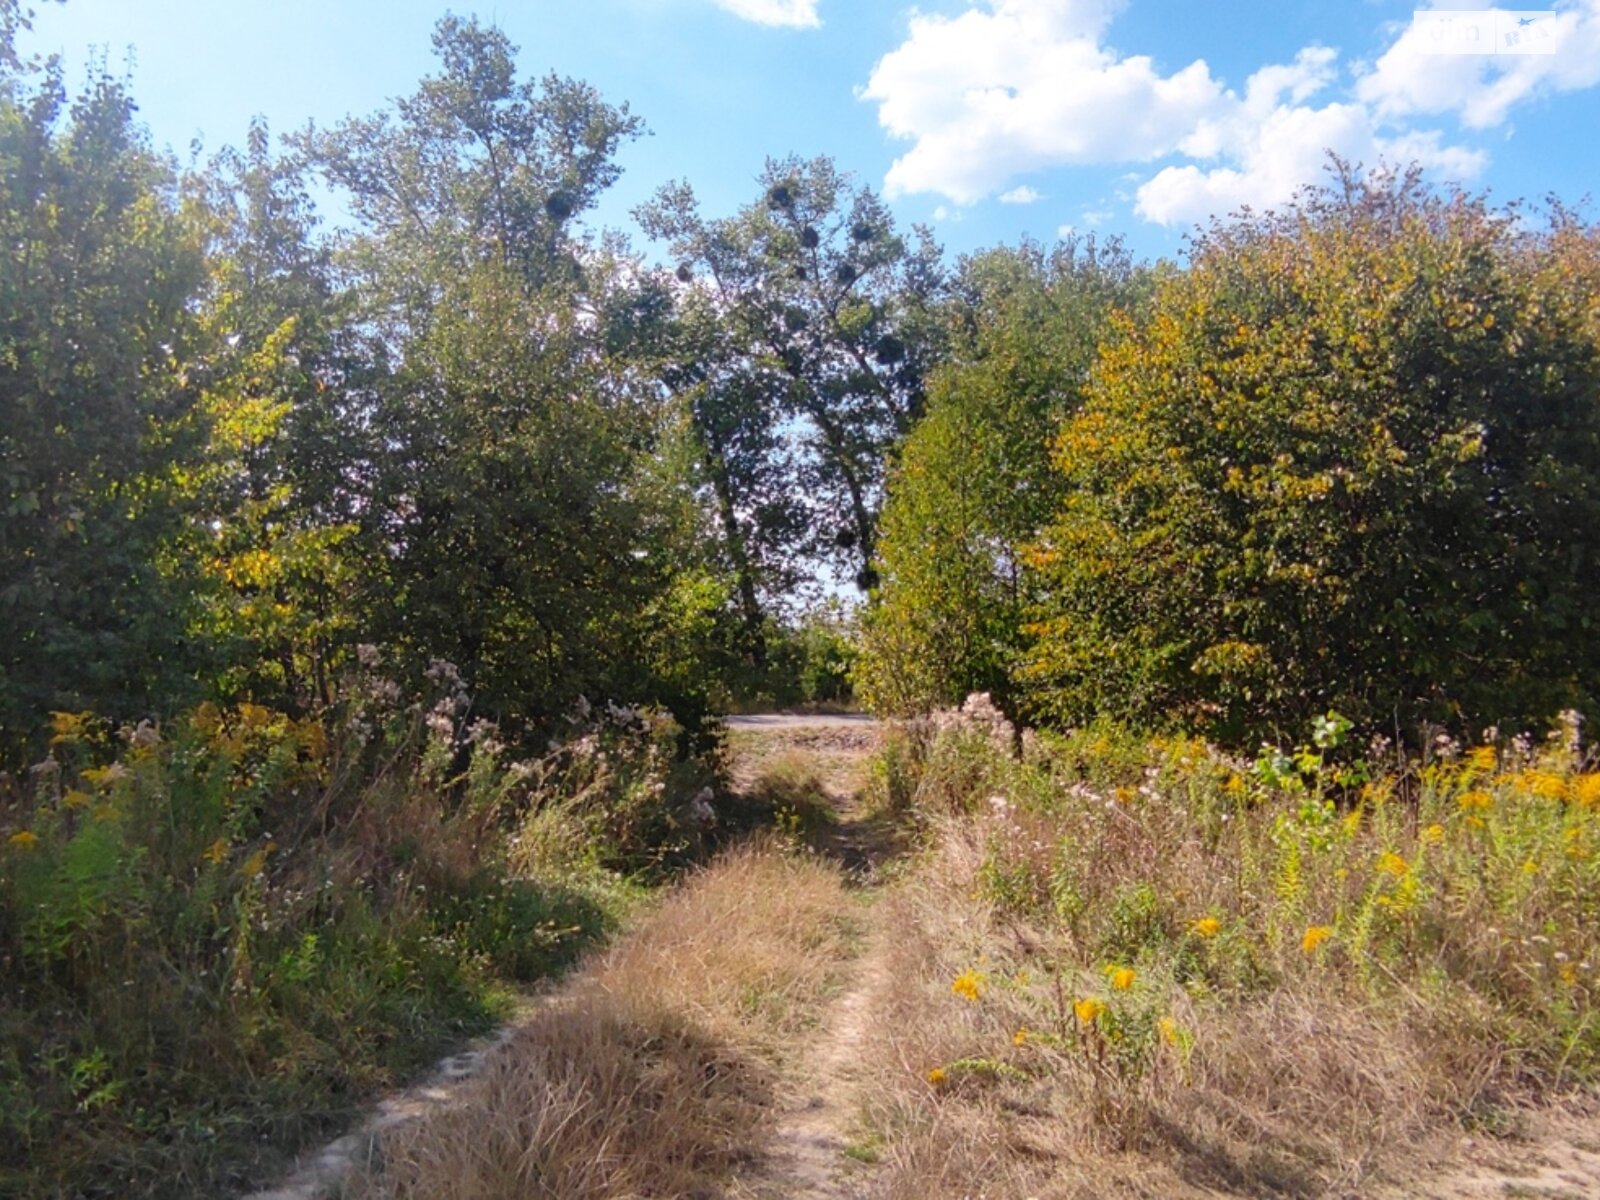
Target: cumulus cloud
x=1020, y=84
x=1010, y=87
x=792, y=14
x=1021, y=195
x=1272, y=143
x=1411, y=79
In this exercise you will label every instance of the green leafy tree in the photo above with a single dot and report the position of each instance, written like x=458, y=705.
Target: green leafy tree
x=746, y=466
x=526, y=519
x=276, y=493
x=974, y=482
x=1350, y=461
x=831, y=319
x=98, y=275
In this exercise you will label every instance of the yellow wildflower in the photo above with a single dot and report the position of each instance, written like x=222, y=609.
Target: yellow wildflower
x=968, y=985
x=937, y=1076
x=24, y=839
x=1019, y=1038
x=77, y=799
x=1433, y=835
x=1391, y=863
x=104, y=777
x=255, y=716
x=1546, y=785
x=1569, y=974
x=257, y=862
x=1586, y=790
x=217, y=851
x=1235, y=785
x=1206, y=927
x=1124, y=795
x=1530, y=867
x=314, y=739
x=69, y=727
x=1088, y=1009
x=1314, y=937
x=207, y=720
x=1121, y=977
x=1481, y=759
x=1169, y=1030
x=1576, y=844
x=1468, y=801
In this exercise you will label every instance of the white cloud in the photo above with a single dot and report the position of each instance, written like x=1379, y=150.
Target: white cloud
x=1272, y=144
x=1481, y=89
x=1019, y=84
x=1010, y=87
x=1282, y=153
x=1021, y=195
x=792, y=14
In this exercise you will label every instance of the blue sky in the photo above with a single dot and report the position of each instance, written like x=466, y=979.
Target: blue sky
x=988, y=119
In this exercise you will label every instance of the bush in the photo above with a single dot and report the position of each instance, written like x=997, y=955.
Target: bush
x=808, y=662
x=219, y=937
x=973, y=482
x=1351, y=461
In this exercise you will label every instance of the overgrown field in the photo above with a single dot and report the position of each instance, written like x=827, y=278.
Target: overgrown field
x=220, y=937
x=1138, y=965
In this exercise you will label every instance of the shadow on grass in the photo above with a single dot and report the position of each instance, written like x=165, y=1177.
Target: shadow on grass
x=788, y=795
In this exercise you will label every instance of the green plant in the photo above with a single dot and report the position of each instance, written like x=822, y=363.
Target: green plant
x=1263, y=491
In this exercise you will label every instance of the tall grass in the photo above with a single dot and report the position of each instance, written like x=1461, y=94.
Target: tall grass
x=655, y=1072
x=218, y=938
x=1271, y=976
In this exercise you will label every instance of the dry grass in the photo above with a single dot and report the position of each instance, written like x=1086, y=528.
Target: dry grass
x=653, y=1073
x=787, y=787
x=1236, y=1062
x=1297, y=1095
x=833, y=757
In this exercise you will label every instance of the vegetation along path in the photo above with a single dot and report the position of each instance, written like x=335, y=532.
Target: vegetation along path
x=726, y=1046
x=707, y=1053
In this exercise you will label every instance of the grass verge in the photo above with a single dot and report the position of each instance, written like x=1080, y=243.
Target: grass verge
x=220, y=939
x=1136, y=966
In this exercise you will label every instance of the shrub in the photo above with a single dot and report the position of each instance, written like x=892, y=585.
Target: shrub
x=1350, y=462
x=973, y=482
x=218, y=937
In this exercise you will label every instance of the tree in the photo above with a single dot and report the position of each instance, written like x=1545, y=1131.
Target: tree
x=278, y=490
x=98, y=275
x=746, y=465
x=1350, y=461
x=523, y=519
x=973, y=483
x=831, y=320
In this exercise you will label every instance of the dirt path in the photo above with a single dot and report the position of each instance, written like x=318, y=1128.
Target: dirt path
x=822, y=760
x=1555, y=1155
x=809, y=1158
